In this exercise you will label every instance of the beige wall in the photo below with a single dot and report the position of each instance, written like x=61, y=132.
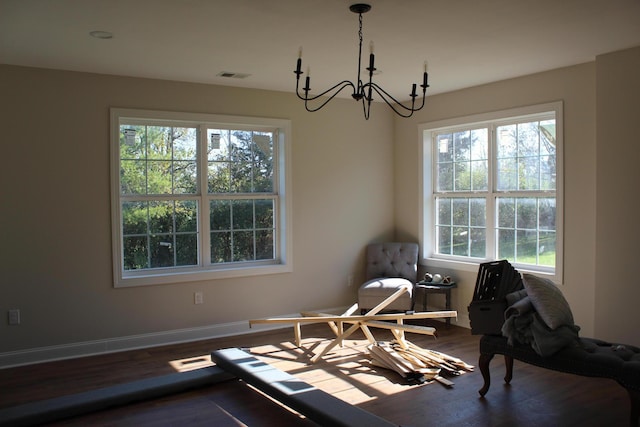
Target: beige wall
x=618, y=175
x=599, y=279
x=55, y=256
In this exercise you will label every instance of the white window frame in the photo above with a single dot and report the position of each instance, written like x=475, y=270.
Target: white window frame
x=428, y=177
x=283, y=262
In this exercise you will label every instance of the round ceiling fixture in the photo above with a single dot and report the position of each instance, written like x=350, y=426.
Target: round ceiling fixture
x=101, y=34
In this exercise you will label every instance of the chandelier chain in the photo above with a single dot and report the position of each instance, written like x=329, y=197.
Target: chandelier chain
x=360, y=31
x=359, y=55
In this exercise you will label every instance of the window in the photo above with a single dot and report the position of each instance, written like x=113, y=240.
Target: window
x=197, y=196
x=493, y=190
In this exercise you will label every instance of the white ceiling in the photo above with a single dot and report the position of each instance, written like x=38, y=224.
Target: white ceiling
x=466, y=42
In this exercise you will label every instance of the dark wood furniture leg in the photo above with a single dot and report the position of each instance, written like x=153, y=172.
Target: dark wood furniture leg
x=634, y=399
x=484, y=361
x=508, y=362
x=437, y=289
x=447, y=304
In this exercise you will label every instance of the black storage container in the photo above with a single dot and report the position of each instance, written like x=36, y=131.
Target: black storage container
x=495, y=281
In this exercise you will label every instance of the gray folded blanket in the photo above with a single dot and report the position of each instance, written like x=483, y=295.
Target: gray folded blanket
x=523, y=325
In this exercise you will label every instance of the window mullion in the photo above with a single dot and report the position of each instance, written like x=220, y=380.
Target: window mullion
x=491, y=218
x=204, y=240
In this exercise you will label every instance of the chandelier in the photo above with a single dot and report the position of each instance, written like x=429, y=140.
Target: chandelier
x=361, y=91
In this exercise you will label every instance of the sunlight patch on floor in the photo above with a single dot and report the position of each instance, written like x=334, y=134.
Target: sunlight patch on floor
x=191, y=363
x=345, y=372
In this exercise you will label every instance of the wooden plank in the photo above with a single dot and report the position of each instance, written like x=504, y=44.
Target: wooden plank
x=409, y=360
x=355, y=327
x=340, y=325
x=320, y=407
x=351, y=310
x=442, y=380
x=297, y=333
x=387, y=361
x=416, y=329
x=332, y=325
x=337, y=327
x=388, y=300
x=393, y=357
x=358, y=318
x=383, y=355
x=439, y=357
x=335, y=342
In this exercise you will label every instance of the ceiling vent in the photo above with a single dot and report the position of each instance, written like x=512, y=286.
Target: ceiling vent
x=231, y=75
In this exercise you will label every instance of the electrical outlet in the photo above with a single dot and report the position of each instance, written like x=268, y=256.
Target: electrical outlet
x=14, y=316
x=198, y=298
x=350, y=280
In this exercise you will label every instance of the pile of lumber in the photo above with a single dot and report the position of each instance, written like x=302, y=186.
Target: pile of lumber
x=416, y=364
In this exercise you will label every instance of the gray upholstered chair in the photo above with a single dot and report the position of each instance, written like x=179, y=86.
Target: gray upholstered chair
x=389, y=266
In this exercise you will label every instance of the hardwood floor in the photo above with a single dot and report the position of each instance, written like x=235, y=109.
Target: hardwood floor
x=536, y=397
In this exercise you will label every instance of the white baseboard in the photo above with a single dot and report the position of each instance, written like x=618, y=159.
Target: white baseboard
x=132, y=342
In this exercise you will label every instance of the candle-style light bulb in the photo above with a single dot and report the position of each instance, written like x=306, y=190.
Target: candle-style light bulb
x=371, y=58
x=307, y=81
x=299, y=62
x=425, y=77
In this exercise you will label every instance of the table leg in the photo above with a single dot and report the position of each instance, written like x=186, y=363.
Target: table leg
x=447, y=304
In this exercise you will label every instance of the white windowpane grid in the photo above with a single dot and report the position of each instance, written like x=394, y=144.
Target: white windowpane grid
x=158, y=160
x=526, y=156
x=163, y=213
x=462, y=160
x=242, y=230
x=461, y=226
x=526, y=231
x=159, y=234
x=524, y=164
x=240, y=161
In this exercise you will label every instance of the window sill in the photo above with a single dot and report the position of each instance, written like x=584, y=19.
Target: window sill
x=467, y=266
x=167, y=278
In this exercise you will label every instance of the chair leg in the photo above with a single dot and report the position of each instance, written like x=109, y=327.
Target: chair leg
x=484, y=361
x=508, y=362
x=634, y=399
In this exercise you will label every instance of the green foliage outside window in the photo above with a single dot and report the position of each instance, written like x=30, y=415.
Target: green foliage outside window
x=161, y=197
x=525, y=172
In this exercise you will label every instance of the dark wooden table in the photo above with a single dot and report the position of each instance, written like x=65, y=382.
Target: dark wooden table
x=436, y=288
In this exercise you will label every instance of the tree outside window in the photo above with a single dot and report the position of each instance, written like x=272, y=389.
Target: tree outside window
x=195, y=196
x=494, y=191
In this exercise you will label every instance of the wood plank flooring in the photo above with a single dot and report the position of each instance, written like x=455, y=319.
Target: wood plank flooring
x=536, y=397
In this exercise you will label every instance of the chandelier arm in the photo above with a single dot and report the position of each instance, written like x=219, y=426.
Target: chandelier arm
x=344, y=84
x=366, y=107
x=392, y=103
x=386, y=97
